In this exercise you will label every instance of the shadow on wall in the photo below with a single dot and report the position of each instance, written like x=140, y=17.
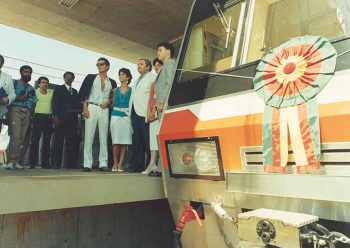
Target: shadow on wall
x=141, y=224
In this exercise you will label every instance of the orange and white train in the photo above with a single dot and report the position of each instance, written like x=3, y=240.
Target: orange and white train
x=211, y=132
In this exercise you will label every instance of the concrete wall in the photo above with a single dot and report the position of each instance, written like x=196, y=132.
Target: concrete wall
x=126, y=225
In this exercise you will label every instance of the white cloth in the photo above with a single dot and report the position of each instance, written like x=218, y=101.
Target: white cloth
x=6, y=82
x=98, y=96
x=4, y=138
x=140, y=93
x=153, y=132
x=69, y=88
x=97, y=116
x=121, y=130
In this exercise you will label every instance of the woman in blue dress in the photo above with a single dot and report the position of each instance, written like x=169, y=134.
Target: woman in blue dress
x=121, y=129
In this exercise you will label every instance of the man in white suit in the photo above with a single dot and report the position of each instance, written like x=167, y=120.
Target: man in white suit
x=139, y=102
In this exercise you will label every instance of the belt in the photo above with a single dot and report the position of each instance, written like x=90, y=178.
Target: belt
x=121, y=109
x=94, y=103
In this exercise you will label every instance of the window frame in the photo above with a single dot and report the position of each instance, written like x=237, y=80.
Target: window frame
x=181, y=87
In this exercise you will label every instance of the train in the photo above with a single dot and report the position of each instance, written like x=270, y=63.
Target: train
x=211, y=137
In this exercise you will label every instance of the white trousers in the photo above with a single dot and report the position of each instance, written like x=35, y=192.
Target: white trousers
x=97, y=116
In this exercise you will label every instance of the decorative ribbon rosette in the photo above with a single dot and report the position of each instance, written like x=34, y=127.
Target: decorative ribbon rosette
x=288, y=80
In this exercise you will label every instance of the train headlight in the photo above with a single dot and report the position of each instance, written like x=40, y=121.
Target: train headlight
x=204, y=159
x=187, y=158
x=195, y=158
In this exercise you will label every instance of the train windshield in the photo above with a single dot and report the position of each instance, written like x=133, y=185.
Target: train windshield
x=246, y=31
x=213, y=41
x=275, y=22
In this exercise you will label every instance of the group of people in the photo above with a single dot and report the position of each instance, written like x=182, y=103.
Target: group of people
x=131, y=114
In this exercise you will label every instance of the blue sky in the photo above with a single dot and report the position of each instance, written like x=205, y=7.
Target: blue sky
x=20, y=45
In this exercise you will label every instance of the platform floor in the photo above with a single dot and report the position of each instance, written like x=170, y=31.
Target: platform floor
x=46, y=189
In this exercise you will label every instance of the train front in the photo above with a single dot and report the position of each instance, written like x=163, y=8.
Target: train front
x=242, y=160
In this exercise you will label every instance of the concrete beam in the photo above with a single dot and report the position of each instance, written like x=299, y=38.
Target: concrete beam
x=38, y=190
x=124, y=29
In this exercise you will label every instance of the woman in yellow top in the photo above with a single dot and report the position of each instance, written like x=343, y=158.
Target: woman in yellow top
x=42, y=124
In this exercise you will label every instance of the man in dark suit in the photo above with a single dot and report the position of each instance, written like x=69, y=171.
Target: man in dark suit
x=95, y=98
x=65, y=118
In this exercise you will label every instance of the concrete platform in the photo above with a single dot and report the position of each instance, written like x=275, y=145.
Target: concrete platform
x=41, y=189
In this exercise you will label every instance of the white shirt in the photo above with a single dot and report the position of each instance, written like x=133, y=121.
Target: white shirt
x=67, y=86
x=140, y=93
x=6, y=82
x=98, y=96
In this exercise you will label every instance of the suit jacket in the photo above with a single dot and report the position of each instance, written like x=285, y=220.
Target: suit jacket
x=85, y=88
x=140, y=93
x=164, y=80
x=6, y=83
x=63, y=103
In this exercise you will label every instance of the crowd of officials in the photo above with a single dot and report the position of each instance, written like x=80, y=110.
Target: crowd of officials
x=126, y=117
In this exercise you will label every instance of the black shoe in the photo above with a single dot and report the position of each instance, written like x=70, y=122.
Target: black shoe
x=155, y=174
x=32, y=167
x=86, y=169
x=105, y=169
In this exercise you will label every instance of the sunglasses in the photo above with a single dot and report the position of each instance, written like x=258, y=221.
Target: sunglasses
x=100, y=64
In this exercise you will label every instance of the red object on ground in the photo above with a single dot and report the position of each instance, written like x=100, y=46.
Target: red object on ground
x=188, y=214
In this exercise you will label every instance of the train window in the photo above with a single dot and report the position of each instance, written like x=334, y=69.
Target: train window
x=276, y=21
x=212, y=42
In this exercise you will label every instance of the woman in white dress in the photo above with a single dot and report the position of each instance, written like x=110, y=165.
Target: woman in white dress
x=120, y=121
x=154, y=123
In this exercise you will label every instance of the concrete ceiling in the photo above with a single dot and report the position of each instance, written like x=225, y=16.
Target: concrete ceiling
x=126, y=29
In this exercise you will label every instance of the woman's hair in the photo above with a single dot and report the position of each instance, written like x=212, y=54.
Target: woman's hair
x=127, y=73
x=157, y=60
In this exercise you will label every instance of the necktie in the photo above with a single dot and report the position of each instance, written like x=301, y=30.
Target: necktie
x=137, y=82
x=70, y=90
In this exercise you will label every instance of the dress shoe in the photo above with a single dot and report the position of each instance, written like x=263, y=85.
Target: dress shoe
x=149, y=169
x=12, y=166
x=86, y=169
x=105, y=169
x=155, y=174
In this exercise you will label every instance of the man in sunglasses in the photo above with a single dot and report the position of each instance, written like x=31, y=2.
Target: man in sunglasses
x=95, y=97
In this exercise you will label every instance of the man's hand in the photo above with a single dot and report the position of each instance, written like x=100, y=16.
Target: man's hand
x=86, y=113
x=56, y=121
x=160, y=107
x=22, y=98
x=4, y=100
x=104, y=105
